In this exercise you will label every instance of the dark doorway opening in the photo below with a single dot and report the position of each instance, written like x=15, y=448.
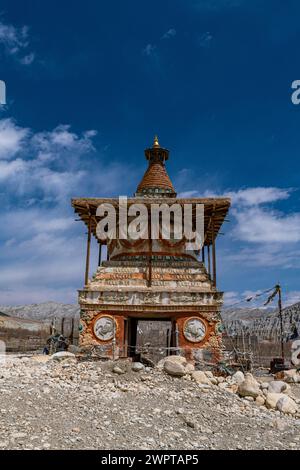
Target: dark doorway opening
x=150, y=339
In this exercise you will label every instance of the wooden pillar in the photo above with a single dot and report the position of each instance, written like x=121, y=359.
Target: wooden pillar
x=100, y=253
x=150, y=252
x=203, y=255
x=208, y=260
x=88, y=250
x=214, y=254
x=72, y=331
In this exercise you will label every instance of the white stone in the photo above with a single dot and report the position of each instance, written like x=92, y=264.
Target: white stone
x=250, y=398
x=249, y=387
x=200, y=377
x=137, y=366
x=291, y=376
x=62, y=355
x=209, y=374
x=277, y=386
x=260, y=400
x=272, y=399
x=178, y=359
x=223, y=385
x=118, y=370
x=279, y=424
x=264, y=385
x=286, y=405
x=238, y=377
x=189, y=368
x=174, y=368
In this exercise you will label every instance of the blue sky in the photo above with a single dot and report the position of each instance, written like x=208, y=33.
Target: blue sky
x=89, y=86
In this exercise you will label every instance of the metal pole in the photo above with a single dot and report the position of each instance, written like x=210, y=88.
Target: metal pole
x=51, y=349
x=281, y=322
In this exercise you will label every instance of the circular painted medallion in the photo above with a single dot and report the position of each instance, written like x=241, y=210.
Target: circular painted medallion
x=104, y=328
x=194, y=330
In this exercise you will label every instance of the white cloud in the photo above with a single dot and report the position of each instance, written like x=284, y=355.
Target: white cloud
x=169, y=34
x=255, y=223
x=26, y=295
x=266, y=226
x=42, y=245
x=264, y=255
x=262, y=236
x=205, y=39
x=188, y=194
x=149, y=49
x=48, y=161
x=246, y=196
x=27, y=59
x=11, y=169
x=231, y=297
x=15, y=42
x=258, y=195
x=251, y=196
x=11, y=138
x=290, y=298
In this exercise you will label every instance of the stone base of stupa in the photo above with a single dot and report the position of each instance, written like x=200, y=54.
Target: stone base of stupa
x=179, y=291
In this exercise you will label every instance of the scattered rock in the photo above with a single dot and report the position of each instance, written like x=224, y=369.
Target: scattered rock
x=137, y=367
x=220, y=379
x=40, y=358
x=62, y=355
x=272, y=399
x=87, y=404
x=189, y=368
x=286, y=404
x=232, y=388
x=264, y=385
x=260, y=400
x=190, y=422
x=223, y=385
x=250, y=398
x=249, y=387
x=238, y=377
x=200, y=377
x=277, y=386
x=118, y=370
x=291, y=376
x=279, y=424
x=209, y=374
x=174, y=368
x=175, y=359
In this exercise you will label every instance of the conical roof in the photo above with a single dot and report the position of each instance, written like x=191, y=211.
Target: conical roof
x=156, y=180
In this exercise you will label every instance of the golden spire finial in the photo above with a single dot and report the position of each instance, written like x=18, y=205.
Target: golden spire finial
x=155, y=142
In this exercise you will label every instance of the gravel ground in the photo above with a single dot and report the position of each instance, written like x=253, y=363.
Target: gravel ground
x=85, y=405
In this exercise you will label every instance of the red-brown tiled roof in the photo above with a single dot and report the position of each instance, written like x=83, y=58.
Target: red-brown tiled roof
x=156, y=176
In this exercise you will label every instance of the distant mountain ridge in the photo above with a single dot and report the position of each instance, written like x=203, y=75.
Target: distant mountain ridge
x=43, y=311
x=261, y=322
